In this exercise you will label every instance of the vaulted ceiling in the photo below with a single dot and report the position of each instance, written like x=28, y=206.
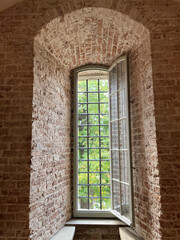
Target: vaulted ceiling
x=9, y=3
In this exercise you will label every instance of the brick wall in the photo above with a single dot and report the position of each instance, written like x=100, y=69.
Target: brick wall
x=75, y=38
x=50, y=195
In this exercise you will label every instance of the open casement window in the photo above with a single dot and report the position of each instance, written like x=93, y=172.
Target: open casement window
x=121, y=168
x=102, y=167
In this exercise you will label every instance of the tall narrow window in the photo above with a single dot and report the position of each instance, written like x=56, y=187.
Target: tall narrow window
x=103, y=182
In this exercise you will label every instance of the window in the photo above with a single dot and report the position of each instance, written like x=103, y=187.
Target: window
x=102, y=176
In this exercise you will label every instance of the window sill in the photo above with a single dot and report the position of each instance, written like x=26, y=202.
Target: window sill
x=94, y=222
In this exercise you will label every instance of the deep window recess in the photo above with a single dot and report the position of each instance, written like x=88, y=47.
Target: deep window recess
x=103, y=171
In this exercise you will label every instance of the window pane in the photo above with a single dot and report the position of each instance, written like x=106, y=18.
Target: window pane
x=104, y=119
x=104, y=97
x=105, y=178
x=115, y=164
x=94, y=142
x=83, y=142
x=82, y=97
x=93, y=119
x=82, y=108
x=82, y=119
x=94, y=203
x=104, y=108
x=114, y=107
x=92, y=85
x=124, y=167
x=82, y=166
x=82, y=131
x=94, y=191
x=94, y=154
x=103, y=85
x=82, y=86
x=104, y=130
x=113, y=80
x=92, y=97
x=82, y=154
x=83, y=191
x=105, y=142
x=83, y=203
x=122, y=103
x=123, y=134
x=106, y=191
x=114, y=135
x=94, y=178
x=105, y=154
x=93, y=131
x=106, y=203
x=83, y=178
x=94, y=166
x=116, y=196
x=93, y=108
x=125, y=198
x=105, y=166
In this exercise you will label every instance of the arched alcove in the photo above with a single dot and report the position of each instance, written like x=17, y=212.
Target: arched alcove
x=86, y=36
x=49, y=35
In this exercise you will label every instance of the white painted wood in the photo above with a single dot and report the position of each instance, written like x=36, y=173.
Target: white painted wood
x=66, y=233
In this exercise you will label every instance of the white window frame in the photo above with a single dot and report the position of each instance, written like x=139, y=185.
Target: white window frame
x=98, y=213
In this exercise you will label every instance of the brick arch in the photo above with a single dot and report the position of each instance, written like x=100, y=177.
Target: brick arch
x=89, y=36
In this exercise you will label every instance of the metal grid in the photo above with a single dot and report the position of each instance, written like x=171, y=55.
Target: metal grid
x=88, y=147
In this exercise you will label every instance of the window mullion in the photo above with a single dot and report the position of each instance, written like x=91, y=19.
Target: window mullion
x=87, y=141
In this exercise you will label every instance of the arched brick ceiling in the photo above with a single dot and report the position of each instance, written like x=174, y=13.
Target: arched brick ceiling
x=4, y=4
x=90, y=35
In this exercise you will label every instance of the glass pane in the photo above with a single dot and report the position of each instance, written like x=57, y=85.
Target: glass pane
x=93, y=85
x=82, y=86
x=116, y=196
x=94, y=203
x=113, y=80
x=104, y=119
x=104, y=97
x=104, y=108
x=106, y=191
x=83, y=178
x=93, y=119
x=122, y=103
x=93, y=108
x=123, y=134
x=105, y=166
x=115, y=164
x=83, y=191
x=82, y=131
x=82, y=166
x=82, y=154
x=93, y=130
x=83, y=142
x=114, y=107
x=125, y=198
x=106, y=203
x=82, y=97
x=105, y=154
x=93, y=142
x=105, y=178
x=114, y=135
x=94, y=154
x=83, y=203
x=92, y=97
x=105, y=142
x=94, y=191
x=94, y=166
x=121, y=68
x=104, y=130
x=94, y=178
x=82, y=119
x=82, y=108
x=124, y=167
x=103, y=85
